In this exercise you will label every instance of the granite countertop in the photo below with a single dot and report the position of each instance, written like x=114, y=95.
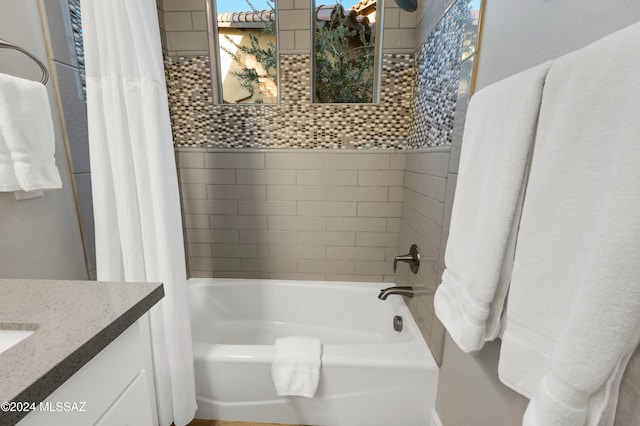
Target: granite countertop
x=72, y=321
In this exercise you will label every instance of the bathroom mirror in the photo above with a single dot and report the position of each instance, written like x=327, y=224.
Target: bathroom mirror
x=245, y=45
x=346, y=50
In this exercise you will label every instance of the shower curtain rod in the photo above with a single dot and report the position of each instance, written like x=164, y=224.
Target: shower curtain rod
x=9, y=45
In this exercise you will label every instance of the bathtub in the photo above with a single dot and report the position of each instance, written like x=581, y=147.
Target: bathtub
x=370, y=374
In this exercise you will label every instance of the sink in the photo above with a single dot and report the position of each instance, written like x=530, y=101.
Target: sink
x=8, y=338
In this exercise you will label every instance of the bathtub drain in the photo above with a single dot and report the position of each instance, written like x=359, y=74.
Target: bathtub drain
x=397, y=323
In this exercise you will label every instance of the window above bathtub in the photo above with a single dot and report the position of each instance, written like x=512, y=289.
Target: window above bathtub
x=244, y=49
x=346, y=50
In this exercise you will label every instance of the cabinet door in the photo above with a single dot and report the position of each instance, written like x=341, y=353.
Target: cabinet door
x=132, y=408
x=97, y=385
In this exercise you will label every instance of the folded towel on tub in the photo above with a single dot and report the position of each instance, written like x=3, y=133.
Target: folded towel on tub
x=296, y=366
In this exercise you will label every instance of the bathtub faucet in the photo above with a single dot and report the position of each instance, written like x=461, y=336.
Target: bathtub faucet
x=407, y=291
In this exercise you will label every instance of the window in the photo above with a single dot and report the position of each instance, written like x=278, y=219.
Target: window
x=247, y=54
x=346, y=51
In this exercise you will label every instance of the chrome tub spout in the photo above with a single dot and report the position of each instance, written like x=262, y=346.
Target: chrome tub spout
x=406, y=291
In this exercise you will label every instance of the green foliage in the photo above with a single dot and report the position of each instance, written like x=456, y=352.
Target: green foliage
x=344, y=64
x=266, y=56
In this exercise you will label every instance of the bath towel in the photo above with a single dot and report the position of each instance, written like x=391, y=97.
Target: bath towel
x=296, y=366
x=498, y=137
x=573, y=315
x=27, y=141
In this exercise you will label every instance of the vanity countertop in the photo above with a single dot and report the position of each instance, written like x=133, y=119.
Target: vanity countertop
x=72, y=321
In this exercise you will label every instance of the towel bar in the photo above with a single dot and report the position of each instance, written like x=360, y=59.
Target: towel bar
x=9, y=45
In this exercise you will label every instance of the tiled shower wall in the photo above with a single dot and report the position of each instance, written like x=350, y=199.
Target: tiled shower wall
x=430, y=174
x=338, y=214
x=295, y=122
x=292, y=214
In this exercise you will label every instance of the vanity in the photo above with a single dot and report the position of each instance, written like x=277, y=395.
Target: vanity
x=76, y=353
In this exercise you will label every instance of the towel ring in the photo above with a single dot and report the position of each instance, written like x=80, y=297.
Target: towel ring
x=9, y=45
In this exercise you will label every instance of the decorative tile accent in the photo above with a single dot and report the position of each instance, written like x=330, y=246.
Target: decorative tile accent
x=416, y=110
x=295, y=122
x=76, y=26
x=438, y=63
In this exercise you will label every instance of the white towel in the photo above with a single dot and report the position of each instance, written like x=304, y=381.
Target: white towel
x=296, y=366
x=27, y=140
x=573, y=316
x=498, y=136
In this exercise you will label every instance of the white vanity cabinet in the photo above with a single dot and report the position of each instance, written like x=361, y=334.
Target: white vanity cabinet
x=112, y=389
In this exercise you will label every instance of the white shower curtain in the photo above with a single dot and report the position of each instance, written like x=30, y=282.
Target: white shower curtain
x=135, y=189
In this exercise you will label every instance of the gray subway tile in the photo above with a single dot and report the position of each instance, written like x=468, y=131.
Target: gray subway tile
x=267, y=237
x=306, y=160
x=212, y=235
x=200, y=250
x=428, y=207
x=236, y=192
x=364, y=267
x=431, y=163
x=210, y=207
x=190, y=160
x=297, y=223
x=322, y=266
x=237, y=222
x=353, y=278
x=178, y=21
x=380, y=178
x=297, y=193
x=326, y=238
x=210, y=176
x=377, y=239
x=394, y=224
x=297, y=252
x=266, y=177
x=176, y=5
x=355, y=253
x=298, y=276
x=269, y=265
x=234, y=160
x=326, y=208
x=193, y=191
x=214, y=264
x=240, y=250
x=196, y=221
x=267, y=208
x=357, y=193
x=368, y=209
x=327, y=177
x=356, y=224
x=358, y=161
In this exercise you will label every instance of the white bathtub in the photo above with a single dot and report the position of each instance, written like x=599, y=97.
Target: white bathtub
x=370, y=374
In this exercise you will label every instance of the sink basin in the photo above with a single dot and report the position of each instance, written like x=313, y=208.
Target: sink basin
x=9, y=338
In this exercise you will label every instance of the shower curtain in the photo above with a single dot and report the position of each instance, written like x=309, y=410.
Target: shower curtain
x=135, y=189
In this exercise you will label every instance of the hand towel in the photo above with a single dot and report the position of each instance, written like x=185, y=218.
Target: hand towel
x=27, y=140
x=573, y=315
x=498, y=136
x=296, y=366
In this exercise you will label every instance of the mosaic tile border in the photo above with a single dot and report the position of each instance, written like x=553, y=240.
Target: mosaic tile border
x=438, y=64
x=295, y=122
x=416, y=110
x=76, y=27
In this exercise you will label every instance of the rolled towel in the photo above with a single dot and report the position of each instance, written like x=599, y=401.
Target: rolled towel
x=26, y=137
x=296, y=366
